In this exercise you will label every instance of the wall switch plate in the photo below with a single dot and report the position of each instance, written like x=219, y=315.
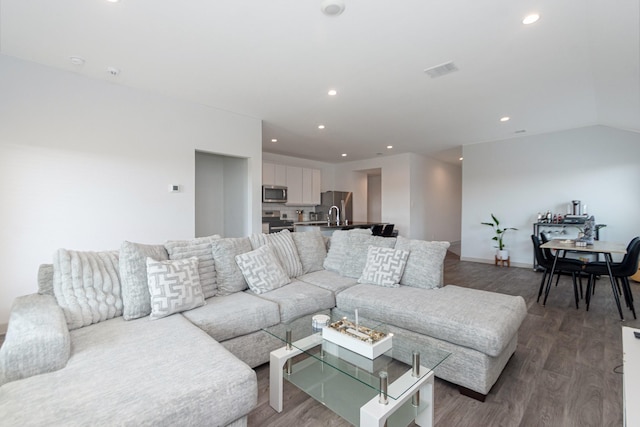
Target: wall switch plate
x=174, y=188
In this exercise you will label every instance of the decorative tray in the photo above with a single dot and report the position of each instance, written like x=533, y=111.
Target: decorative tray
x=359, y=339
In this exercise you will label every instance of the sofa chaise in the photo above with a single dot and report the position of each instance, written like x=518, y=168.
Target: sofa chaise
x=168, y=334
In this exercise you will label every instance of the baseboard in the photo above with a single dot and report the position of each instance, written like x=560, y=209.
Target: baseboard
x=492, y=261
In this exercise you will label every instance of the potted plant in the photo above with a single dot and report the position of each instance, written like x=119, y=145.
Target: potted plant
x=502, y=253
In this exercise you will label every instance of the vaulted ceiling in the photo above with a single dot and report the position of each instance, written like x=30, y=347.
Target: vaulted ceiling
x=276, y=60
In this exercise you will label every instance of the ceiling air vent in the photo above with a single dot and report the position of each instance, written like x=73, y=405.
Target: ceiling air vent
x=441, y=70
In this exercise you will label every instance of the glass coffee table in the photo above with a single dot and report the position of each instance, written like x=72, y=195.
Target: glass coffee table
x=365, y=392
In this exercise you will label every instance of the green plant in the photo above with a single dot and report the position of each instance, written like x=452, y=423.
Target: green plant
x=500, y=232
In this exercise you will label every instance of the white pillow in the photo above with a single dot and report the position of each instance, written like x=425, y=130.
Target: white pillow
x=425, y=264
x=174, y=286
x=283, y=247
x=384, y=266
x=261, y=270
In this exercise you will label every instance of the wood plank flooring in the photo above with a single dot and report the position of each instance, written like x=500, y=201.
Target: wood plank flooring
x=562, y=373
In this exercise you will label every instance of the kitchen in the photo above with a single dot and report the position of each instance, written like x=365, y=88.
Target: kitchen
x=292, y=200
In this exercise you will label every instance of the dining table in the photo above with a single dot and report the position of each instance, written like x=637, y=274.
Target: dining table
x=607, y=249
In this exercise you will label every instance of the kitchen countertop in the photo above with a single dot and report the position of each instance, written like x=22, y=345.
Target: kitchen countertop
x=323, y=224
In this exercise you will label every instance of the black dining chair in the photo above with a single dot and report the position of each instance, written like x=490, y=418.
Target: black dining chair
x=388, y=230
x=563, y=266
x=376, y=230
x=620, y=271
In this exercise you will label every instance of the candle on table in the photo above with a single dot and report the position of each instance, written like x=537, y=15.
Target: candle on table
x=357, y=319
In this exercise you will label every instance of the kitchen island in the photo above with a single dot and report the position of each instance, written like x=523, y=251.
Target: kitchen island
x=327, y=230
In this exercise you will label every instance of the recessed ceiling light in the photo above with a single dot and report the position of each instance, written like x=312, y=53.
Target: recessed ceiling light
x=530, y=19
x=113, y=1
x=389, y=147
x=505, y=119
x=113, y=71
x=332, y=92
x=332, y=7
x=76, y=60
x=461, y=158
x=274, y=140
x=344, y=154
x=320, y=126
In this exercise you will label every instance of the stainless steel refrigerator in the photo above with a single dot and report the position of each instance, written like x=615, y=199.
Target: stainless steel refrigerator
x=342, y=199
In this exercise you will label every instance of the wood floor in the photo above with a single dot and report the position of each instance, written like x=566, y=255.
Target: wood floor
x=566, y=370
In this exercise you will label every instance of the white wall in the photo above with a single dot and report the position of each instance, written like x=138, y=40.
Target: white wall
x=86, y=164
x=420, y=195
x=374, y=198
x=517, y=178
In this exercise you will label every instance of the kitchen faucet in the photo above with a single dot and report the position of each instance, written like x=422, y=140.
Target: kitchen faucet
x=337, y=215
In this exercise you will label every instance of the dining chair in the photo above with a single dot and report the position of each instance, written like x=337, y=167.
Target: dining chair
x=376, y=230
x=620, y=271
x=388, y=230
x=563, y=265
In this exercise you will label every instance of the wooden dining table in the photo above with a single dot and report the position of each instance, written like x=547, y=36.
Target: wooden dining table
x=598, y=247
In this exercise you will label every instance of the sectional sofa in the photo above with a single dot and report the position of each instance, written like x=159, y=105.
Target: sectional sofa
x=168, y=334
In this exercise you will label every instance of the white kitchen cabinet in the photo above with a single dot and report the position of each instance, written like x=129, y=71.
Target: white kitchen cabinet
x=311, y=186
x=294, y=184
x=273, y=174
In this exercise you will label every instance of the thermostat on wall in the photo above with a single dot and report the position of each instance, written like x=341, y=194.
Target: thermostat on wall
x=174, y=188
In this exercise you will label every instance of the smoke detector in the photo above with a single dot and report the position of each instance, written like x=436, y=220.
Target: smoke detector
x=441, y=70
x=332, y=7
x=77, y=60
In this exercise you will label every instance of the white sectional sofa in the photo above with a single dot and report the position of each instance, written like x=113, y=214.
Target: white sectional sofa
x=168, y=334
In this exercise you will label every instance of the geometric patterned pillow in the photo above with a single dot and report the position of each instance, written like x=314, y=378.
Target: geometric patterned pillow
x=174, y=286
x=283, y=247
x=384, y=266
x=261, y=270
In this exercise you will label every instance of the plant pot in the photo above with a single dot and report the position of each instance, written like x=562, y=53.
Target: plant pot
x=502, y=254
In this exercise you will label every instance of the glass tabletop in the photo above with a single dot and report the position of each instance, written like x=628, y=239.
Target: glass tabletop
x=322, y=359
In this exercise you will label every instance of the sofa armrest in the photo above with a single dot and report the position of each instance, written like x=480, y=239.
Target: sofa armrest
x=37, y=339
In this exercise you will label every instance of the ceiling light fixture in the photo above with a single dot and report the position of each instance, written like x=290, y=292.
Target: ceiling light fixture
x=530, y=19
x=274, y=140
x=389, y=147
x=113, y=1
x=332, y=7
x=320, y=126
x=344, y=154
x=505, y=119
x=76, y=60
x=461, y=158
x=332, y=92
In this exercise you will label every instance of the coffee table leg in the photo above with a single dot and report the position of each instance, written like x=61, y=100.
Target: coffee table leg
x=375, y=414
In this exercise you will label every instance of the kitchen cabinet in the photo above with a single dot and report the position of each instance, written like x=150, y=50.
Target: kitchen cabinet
x=294, y=184
x=273, y=174
x=311, y=186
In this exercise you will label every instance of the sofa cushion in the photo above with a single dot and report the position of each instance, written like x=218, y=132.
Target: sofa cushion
x=164, y=372
x=136, y=300
x=298, y=299
x=384, y=266
x=230, y=316
x=311, y=249
x=328, y=280
x=283, y=247
x=229, y=276
x=357, y=248
x=484, y=321
x=199, y=247
x=262, y=270
x=87, y=286
x=425, y=264
x=45, y=279
x=174, y=286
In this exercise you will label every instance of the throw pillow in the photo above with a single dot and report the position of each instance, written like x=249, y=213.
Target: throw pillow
x=311, y=249
x=384, y=266
x=133, y=275
x=283, y=247
x=228, y=274
x=174, y=286
x=199, y=247
x=357, y=248
x=87, y=286
x=262, y=270
x=45, y=279
x=338, y=250
x=425, y=264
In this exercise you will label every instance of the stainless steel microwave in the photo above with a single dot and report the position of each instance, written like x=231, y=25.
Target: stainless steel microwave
x=274, y=194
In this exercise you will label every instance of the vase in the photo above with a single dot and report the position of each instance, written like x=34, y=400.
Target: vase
x=502, y=254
